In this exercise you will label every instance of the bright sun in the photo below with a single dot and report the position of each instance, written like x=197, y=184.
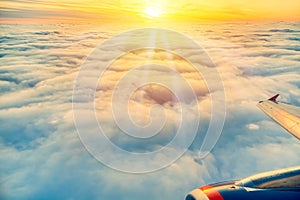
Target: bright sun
x=153, y=11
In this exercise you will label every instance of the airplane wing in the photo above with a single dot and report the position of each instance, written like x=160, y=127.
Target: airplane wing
x=286, y=115
x=273, y=185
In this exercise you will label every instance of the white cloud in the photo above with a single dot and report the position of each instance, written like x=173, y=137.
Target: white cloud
x=252, y=126
x=42, y=156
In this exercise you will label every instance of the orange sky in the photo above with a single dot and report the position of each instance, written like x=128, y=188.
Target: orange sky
x=139, y=10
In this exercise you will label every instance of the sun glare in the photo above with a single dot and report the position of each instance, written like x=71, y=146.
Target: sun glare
x=153, y=11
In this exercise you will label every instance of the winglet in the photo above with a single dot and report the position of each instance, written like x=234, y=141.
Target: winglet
x=274, y=98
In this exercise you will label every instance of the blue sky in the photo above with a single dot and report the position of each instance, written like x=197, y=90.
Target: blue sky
x=42, y=156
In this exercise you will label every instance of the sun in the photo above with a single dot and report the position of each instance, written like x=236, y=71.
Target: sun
x=153, y=11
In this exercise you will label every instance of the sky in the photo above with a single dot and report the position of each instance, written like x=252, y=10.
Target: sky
x=148, y=109
x=95, y=11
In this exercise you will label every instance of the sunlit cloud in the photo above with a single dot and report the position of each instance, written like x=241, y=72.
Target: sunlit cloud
x=42, y=156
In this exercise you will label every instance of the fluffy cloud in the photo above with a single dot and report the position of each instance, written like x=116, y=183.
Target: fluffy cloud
x=253, y=126
x=42, y=156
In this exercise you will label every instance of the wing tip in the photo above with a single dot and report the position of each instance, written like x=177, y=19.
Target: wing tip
x=274, y=98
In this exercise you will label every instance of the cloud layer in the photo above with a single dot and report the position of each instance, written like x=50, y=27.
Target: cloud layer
x=42, y=156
